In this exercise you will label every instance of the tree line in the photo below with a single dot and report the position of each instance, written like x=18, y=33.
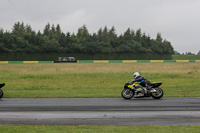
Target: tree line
x=23, y=38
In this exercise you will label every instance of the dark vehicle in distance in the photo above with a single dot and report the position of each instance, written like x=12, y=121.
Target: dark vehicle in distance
x=66, y=60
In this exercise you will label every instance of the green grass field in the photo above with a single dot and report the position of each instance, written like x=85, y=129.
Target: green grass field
x=186, y=57
x=95, y=80
x=100, y=129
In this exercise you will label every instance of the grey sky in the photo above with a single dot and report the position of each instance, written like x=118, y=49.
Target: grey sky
x=178, y=21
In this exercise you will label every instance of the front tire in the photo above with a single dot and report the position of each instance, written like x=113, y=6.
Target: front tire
x=158, y=94
x=127, y=94
x=1, y=93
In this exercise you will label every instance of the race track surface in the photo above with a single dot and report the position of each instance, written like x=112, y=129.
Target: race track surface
x=100, y=111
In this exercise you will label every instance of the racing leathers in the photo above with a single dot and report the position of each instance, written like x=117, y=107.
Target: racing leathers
x=142, y=86
x=143, y=82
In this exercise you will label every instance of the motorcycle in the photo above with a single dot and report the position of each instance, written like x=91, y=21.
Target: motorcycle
x=1, y=92
x=132, y=88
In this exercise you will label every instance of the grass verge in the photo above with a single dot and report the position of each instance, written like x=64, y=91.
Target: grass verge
x=95, y=80
x=186, y=57
x=100, y=129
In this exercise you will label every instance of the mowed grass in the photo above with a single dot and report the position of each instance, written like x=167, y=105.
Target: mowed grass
x=186, y=57
x=90, y=80
x=100, y=129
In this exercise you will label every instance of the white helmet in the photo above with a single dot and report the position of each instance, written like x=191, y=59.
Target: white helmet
x=136, y=74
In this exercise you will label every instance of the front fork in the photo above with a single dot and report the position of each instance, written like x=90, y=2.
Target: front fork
x=132, y=89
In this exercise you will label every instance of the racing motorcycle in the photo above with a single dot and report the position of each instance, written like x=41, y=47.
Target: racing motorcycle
x=132, y=88
x=1, y=92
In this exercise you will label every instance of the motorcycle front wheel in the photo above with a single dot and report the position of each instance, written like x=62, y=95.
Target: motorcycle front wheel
x=158, y=93
x=127, y=94
x=1, y=93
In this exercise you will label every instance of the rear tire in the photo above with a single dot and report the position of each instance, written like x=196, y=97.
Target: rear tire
x=127, y=94
x=158, y=94
x=1, y=93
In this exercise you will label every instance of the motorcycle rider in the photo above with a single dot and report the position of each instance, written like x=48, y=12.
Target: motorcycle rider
x=143, y=83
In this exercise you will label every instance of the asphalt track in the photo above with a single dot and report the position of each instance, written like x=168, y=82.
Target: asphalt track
x=100, y=111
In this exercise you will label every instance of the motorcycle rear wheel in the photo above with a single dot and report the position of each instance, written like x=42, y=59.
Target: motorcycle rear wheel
x=1, y=93
x=158, y=94
x=127, y=94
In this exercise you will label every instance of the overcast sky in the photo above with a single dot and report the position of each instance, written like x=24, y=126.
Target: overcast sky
x=178, y=21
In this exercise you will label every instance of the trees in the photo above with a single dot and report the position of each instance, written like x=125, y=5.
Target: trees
x=198, y=53
x=52, y=39
x=113, y=37
x=18, y=29
x=83, y=35
x=159, y=38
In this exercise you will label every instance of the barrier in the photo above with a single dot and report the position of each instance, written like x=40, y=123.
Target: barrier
x=105, y=61
x=129, y=61
x=15, y=62
x=85, y=61
x=3, y=62
x=101, y=61
x=169, y=60
x=45, y=61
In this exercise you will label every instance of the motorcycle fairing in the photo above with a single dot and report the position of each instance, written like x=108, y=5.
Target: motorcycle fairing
x=154, y=85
